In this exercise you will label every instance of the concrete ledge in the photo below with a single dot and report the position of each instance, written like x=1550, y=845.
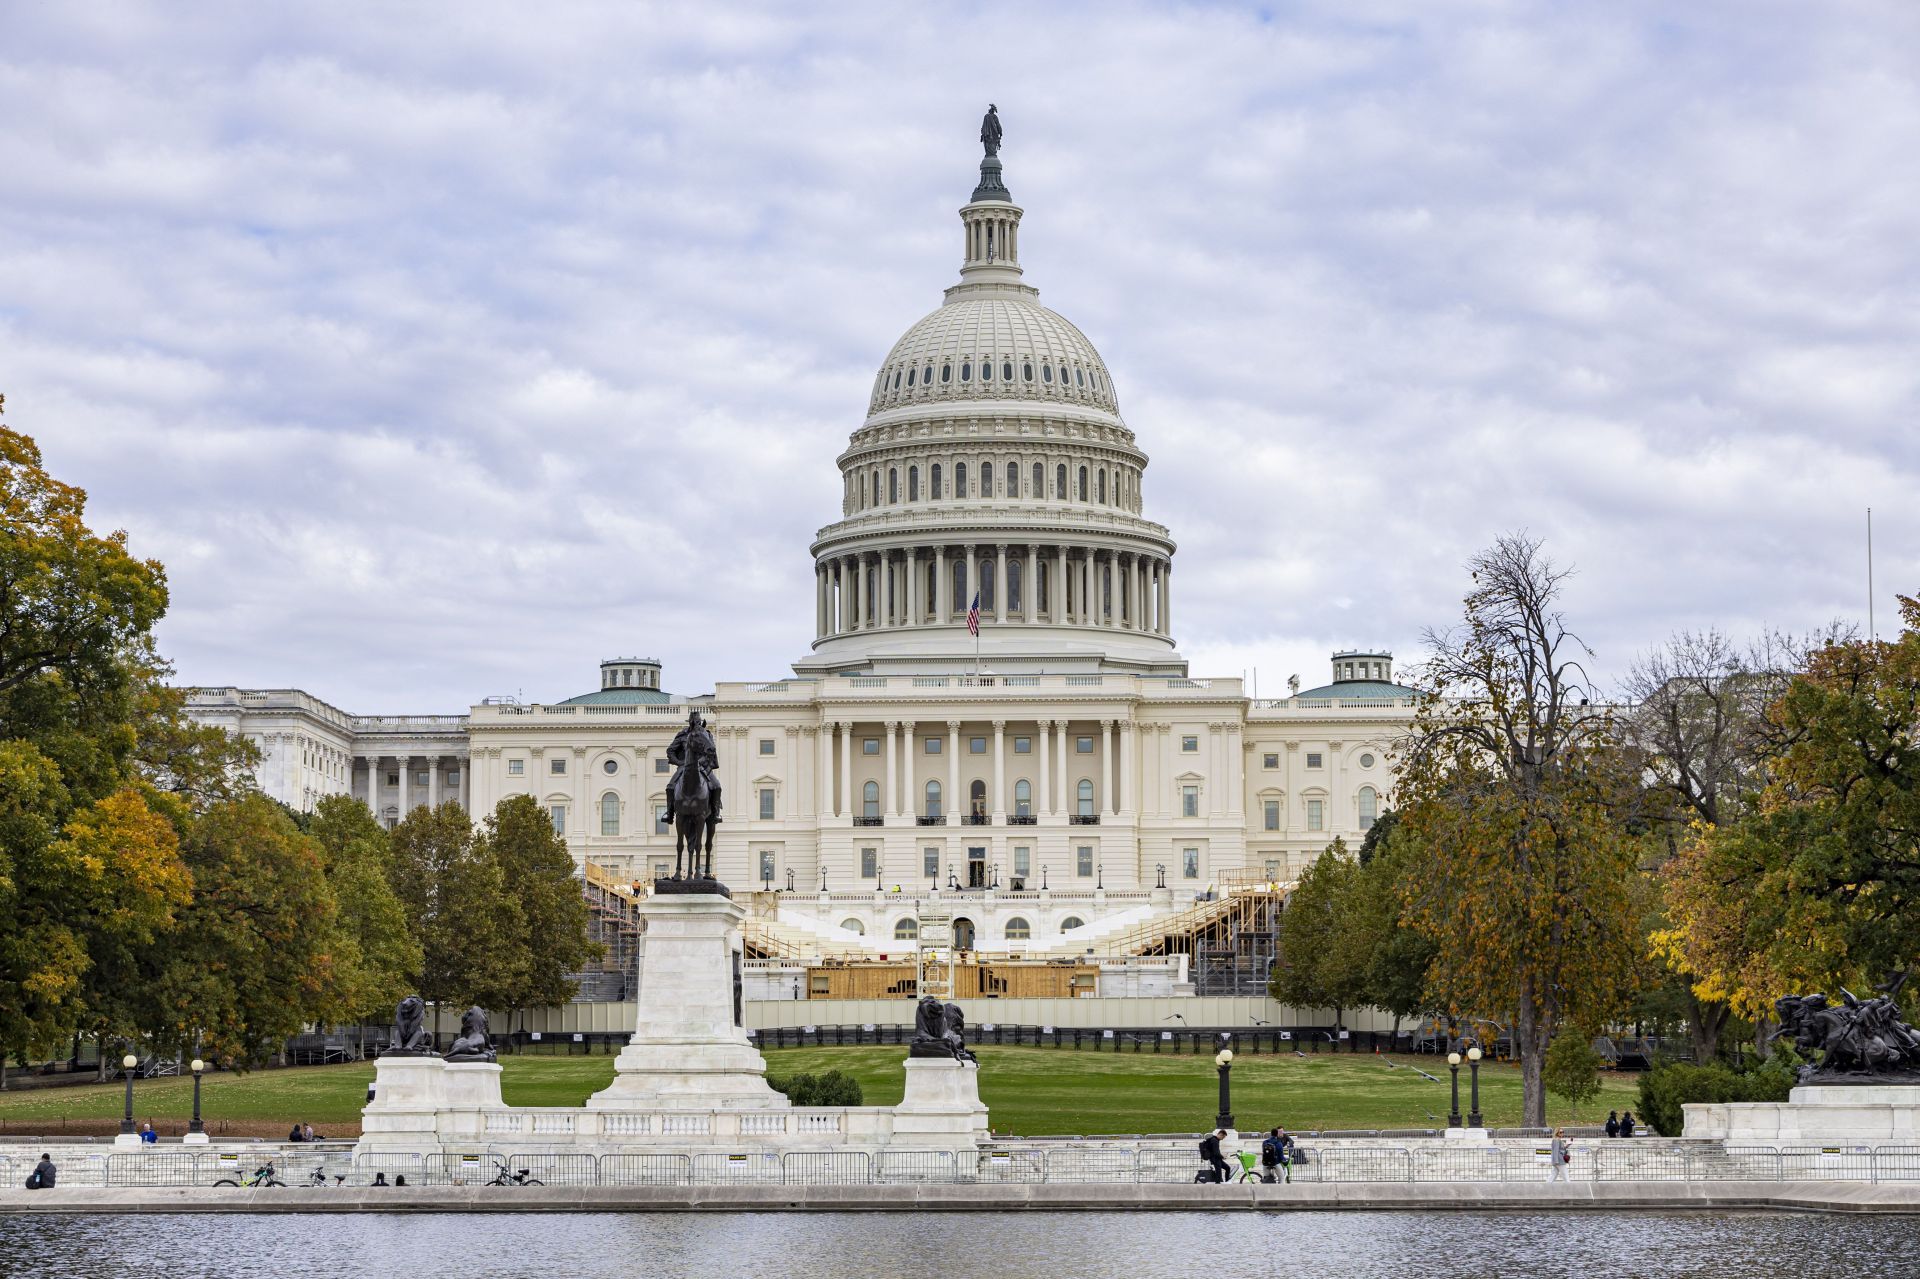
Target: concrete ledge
x=1710, y=1196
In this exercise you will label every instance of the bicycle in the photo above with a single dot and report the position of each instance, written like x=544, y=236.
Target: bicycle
x=263, y=1176
x=519, y=1177
x=318, y=1177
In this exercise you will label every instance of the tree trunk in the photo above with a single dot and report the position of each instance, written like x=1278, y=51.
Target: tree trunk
x=1529, y=1040
x=1706, y=1021
x=1762, y=1038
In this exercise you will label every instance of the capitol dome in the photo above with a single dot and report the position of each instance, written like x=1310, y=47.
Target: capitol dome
x=993, y=466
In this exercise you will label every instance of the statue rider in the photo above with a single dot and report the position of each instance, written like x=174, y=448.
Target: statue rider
x=695, y=744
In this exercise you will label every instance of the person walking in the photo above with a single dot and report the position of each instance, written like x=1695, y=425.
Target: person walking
x=44, y=1174
x=1627, y=1123
x=1276, y=1156
x=1613, y=1123
x=1558, y=1156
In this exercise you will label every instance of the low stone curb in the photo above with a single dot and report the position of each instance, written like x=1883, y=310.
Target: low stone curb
x=1836, y=1196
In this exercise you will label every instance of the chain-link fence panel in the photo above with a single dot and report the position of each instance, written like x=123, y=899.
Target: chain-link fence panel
x=1093, y=1163
x=759, y=1167
x=645, y=1170
x=828, y=1168
x=905, y=1167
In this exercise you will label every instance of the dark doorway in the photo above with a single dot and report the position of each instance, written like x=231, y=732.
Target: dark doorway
x=976, y=868
x=963, y=933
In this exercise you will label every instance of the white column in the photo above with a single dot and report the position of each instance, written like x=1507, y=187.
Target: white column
x=953, y=804
x=1000, y=584
x=1166, y=597
x=892, y=802
x=823, y=769
x=1126, y=766
x=790, y=766
x=1216, y=771
x=1058, y=615
x=1045, y=733
x=466, y=784
x=819, y=601
x=1060, y=781
x=1104, y=788
x=1144, y=619
x=999, y=771
x=433, y=781
x=1089, y=605
x=915, y=614
x=1236, y=768
x=908, y=786
x=373, y=784
x=850, y=590
x=846, y=768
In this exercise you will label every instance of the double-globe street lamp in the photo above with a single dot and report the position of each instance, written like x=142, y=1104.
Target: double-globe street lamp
x=1224, y=1061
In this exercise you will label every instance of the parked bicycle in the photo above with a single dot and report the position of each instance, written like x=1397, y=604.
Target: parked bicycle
x=262, y=1176
x=504, y=1176
x=318, y=1177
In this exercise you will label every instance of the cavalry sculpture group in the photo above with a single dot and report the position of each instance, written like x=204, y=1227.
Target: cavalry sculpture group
x=1856, y=1038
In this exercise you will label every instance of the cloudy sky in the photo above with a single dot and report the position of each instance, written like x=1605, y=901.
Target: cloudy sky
x=441, y=353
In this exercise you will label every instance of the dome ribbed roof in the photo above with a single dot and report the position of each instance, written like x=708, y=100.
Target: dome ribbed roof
x=941, y=358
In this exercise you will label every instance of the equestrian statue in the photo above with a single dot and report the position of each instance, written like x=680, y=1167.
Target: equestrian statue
x=693, y=797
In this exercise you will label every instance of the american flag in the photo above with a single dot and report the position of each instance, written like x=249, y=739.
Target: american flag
x=973, y=615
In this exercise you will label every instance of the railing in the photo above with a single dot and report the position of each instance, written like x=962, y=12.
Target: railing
x=930, y=819
x=1083, y=819
x=1022, y=819
x=976, y=819
x=1078, y=1161
x=869, y=821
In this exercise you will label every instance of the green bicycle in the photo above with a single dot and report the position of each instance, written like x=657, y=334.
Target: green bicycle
x=263, y=1176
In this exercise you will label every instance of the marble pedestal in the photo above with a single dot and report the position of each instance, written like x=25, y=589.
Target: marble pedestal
x=689, y=1049
x=1814, y=1113
x=942, y=1104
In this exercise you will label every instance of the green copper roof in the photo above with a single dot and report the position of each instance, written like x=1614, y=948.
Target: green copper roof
x=620, y=697
x=1360, y=688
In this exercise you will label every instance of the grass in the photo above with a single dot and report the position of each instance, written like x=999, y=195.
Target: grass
x=1029, y=1091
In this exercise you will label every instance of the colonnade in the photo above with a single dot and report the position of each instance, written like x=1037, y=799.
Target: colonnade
x=408, y=794
x=1022, y=583
x=908, y=768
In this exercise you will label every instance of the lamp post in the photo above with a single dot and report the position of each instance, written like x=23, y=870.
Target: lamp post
x=196, y=1131
x=1160, y=874
x=1043, y=879
x=1100, y=876
x=1473, y=1074
x=1224, y=1060
x=128, y=1063
x=823, y=879
x=1453, y=1113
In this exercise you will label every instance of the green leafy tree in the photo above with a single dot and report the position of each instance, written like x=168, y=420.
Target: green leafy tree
x=1397, y=955
x=1514, y=788
x=1323, y=960
x=549, y=937
x=454, y=895
x=1573, y=1069
x=376, y=955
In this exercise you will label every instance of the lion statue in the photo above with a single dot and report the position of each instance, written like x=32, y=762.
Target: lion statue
x=473, y=1044
x=409, y=1027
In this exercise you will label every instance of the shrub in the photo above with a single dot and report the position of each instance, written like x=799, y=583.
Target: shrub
x=1665, y=1089
x=1572, y=1068
x=835, y=1088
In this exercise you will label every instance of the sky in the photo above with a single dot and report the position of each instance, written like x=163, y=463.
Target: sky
x=440, y=352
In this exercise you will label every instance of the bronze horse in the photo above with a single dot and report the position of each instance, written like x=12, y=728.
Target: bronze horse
x=693, y=822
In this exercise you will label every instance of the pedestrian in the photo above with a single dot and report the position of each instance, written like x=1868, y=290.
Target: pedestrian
x=44, y=1174
x=1613, y=1123
x=1276, y=1156
x=1559, y=1156
x=148, y=1135
x=1216, y=1169
x=379, y=1179
x=296, y=1134
x=1627, y=1122
x=306, y=1133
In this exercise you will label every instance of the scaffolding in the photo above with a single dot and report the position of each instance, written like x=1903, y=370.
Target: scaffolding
x=933, y=958
x=1232, y=937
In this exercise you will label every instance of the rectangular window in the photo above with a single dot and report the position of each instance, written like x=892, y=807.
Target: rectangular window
x=453, y=777
x=1272, y=812
x=663, y=765
x=609, y=815
x=393, y=779
x=869, y=863
x=1313, y=759
x=558, y=812
x=662, y=820
x=1083, y=862
x=1190, y=863
x=1190, y=744
x=930, y=862
x=976, y=746
x=766, y=746
x=1273, y=870
x=766, y=865
x=766, y=803
x=1316, y=815
x=1023, y=746
x=662, y=869
x=420, y=779
x=869, y=746
x=933, y=746
x=1083, y=745
x=1023, y=861
x=516, y=767
x=1270, y=761
x=1189, y=801
x=556, y=766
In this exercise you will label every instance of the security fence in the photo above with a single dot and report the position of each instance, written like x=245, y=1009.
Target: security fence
x=1063, y=1162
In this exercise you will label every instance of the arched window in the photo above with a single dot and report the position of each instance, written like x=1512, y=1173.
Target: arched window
x=907, y=929
x=1086, y=797
x=870, y=800
x=913, y=484
x=854, y=926
x=986, y=369
x=1039, y=481
x=1079, y=378
x=977, y=798
x=946, y=374
x=959, y=479
x=1022, y=798
x=910, y=373
x=926, y=379
x=933, y=587
x=1006, y=370
x=933, y=799
x=1083, y=484
x=987, y=584
x=863, y=492
x=1103, y=486
x=986, y=479
x=1016, y=584
x=1060, y=481
x=896, y=379
x=1026, y=372
x=966, y=370
x=961, y=600
x=1369, y=806
x=933, y=484
x=1046, y=374
x=893, y=484
x=609, y=814
x=1072, y=922
x=1019, y=929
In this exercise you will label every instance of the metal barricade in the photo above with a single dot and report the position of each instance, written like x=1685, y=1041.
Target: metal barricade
x=151, y=1168
x=462, y=1168
x=1167, y=1163
x=1628, y=1161
x=1011, y=1165
x=645, y=1170
x=555, y=1168
x=242, y=1168
x=1460, y=1163
x=75, y=1170
x=6, y=1173
x=759, y=1167
x=903, y=1167
x=1354, y=1163
x=828, y=1168
x=1896, y=1163
x=314, y=1168
x=1837, y=1162
x=1096, y=1163
x=384, y=1166
x=1733, y=1163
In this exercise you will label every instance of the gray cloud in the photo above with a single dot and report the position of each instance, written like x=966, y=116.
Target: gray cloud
x=441, y=354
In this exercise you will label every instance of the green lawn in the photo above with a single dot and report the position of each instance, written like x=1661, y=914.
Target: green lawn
x=1029, y=1091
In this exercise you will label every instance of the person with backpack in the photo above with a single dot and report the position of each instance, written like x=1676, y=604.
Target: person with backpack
x=44, y=1174
x=1276, y=1156
x=1217, y=1169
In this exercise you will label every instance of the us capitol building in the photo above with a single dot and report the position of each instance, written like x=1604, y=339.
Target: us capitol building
x=1070, y=783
